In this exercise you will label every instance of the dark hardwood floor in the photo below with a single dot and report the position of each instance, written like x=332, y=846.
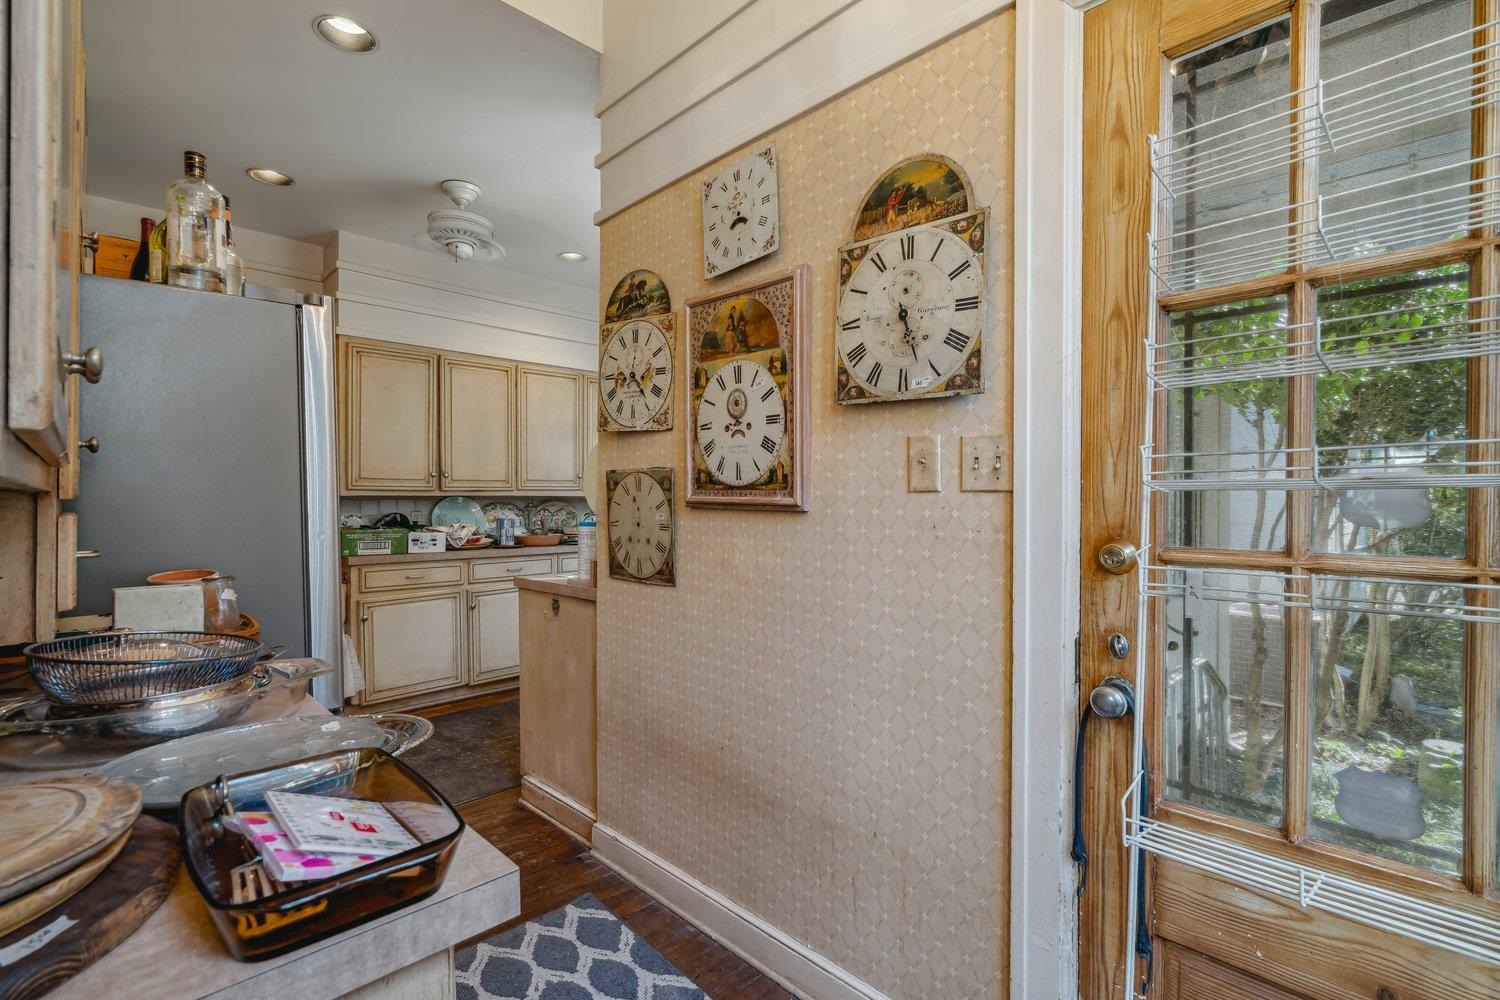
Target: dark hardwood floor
x=555, y=869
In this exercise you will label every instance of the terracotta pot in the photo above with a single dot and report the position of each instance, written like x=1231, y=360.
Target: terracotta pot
x=181, y=576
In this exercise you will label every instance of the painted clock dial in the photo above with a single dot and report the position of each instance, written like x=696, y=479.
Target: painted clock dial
x=741, y=423
x=741, y=213
x=636, y=369
x=641, y=525
x=910, y=314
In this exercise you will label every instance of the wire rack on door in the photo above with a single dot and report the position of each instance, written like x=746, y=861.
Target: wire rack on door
x=1358, y=217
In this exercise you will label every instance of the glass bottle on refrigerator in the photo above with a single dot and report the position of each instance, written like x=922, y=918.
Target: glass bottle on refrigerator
x=234, y=270
x=195, y=215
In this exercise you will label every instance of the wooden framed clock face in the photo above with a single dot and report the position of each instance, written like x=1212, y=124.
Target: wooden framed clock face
x=741, y=213
x=911, y=314
x=637, y=367
x=642, y=545
x=748, y=411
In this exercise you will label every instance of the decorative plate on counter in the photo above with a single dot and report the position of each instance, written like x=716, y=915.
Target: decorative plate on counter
x=459, y=510
x=558, y=511
x=496, y=509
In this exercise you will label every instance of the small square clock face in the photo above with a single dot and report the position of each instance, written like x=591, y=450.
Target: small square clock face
x=741, y=213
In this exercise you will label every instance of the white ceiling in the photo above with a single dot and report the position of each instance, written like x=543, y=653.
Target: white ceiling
x=468, y=89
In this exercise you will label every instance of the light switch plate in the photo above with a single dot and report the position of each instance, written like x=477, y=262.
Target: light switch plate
x=984, y=464
x=924, y=470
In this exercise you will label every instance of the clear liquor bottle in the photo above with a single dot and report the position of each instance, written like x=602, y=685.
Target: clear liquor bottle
x=195, y=213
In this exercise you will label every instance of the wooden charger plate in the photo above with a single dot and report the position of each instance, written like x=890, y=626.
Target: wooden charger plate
x=51, y=827
x=38, y=901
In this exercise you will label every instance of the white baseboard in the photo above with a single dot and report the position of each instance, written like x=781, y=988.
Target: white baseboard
x=788, y=961
x=556, y=807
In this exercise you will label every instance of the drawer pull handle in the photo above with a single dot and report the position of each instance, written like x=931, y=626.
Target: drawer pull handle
x=90, y=444
x=88, y=554
x=415, y=576
x=89, y=364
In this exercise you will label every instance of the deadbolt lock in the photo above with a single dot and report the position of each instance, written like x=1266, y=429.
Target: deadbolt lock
x=1118, y=558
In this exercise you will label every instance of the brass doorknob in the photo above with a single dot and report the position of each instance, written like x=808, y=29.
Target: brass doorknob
x=1118, y=558
x=89, y=364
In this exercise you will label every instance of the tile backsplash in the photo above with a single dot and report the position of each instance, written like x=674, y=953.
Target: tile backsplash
x=420, y=508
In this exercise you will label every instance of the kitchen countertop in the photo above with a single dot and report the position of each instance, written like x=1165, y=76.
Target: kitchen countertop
x=493, y=552
x=562, y=585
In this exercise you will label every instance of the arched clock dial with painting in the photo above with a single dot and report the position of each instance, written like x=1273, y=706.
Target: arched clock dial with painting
x=911, y=309
x=637, y=356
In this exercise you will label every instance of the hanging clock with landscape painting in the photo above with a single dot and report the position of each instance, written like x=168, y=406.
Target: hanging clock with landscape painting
x=637, y=355
x=747, y=440
x=741, y=213
x=911, y=308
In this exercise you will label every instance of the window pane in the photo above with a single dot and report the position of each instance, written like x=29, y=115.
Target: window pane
x=1397, y=106
x=1225, y=711
x=1235, y=226
x=1388, y=726
x=1246, y=416
x=1393, y=421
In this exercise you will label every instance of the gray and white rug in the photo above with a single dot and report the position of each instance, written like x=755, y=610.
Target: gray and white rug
x=580, y=951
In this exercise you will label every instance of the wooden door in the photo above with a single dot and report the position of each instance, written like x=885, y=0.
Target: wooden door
x=549, y=420
x=478, y=404
x=411, y=643
x=390, y=430
x=494, y=635
x=1313, y=627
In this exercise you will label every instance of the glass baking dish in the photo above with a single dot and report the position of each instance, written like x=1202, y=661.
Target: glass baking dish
x=304, y=912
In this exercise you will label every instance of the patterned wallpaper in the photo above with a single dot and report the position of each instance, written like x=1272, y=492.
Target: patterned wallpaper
x=814, y=721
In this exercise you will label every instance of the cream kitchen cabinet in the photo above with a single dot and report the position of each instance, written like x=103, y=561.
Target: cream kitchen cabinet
x=478, y=401
x=390, y=427
x=411, y=643
x=416, y=421
x=550, y=429
x=494, y=635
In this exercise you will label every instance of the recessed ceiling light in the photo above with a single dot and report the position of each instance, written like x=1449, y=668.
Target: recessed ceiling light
x=344, y=33
x=572, y=257
x=266, y=175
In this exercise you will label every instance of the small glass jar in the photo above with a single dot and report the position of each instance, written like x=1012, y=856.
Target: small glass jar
x=221, y=604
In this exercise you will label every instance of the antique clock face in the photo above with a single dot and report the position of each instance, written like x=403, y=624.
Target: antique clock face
x=740, y=213
x=741, y=422
x=911, y=313
x=641, y=543
x=636, y=369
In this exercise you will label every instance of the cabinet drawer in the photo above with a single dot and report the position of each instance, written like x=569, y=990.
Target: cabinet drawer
x=419, y=575
x=504, y=569
x=567, y=564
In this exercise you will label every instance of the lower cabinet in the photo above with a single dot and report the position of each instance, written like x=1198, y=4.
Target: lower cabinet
x=411, y=643
x=494, y=635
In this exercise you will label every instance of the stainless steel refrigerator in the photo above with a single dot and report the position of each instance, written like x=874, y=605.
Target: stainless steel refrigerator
x=215, y=425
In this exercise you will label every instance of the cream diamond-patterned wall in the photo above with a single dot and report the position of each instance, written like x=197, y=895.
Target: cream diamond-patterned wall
x=814, y=722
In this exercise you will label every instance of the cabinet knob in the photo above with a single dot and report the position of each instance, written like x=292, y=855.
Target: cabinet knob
x=364, y=618
x=90, y=444
x=88, y=553
x=89, y=364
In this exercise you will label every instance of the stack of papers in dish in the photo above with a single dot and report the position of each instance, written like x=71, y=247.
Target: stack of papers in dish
x=306, y=837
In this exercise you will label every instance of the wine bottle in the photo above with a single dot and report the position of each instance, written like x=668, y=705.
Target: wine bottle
x=140, y=265
x=195, y=215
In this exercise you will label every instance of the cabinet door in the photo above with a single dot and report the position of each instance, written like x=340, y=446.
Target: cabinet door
x=390, y=419
x=590, y=413
x=411, y=643
x=549, y=416
x=494, y=635
x=477, y=405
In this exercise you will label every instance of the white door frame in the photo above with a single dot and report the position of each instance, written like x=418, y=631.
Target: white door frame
x=1044, y=696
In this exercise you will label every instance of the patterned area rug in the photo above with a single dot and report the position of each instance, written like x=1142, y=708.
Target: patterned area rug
x=580, y=951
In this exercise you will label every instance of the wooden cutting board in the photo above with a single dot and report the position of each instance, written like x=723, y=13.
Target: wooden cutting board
x=67, y=938
x=23, y=909
x=49, y=827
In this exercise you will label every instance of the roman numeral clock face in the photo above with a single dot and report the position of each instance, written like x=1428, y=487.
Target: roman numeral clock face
x=635, y=377
x=741, y=423
x=910, y=315
x=740, y=213
x=640, y=525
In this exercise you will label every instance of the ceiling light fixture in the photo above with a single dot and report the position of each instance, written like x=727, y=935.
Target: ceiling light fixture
x=458, y=232
x=572, y=257
x=344, y=33
x=266, y=175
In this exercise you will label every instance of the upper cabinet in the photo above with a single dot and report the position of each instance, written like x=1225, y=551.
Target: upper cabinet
x=550, y=429
x=416, y=421
x=478, y=398
x=390, y=426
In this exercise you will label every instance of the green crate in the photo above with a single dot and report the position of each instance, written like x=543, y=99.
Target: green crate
x=372, y=541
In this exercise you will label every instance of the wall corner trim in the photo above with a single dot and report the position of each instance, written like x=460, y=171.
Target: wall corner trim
x=785, y=959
